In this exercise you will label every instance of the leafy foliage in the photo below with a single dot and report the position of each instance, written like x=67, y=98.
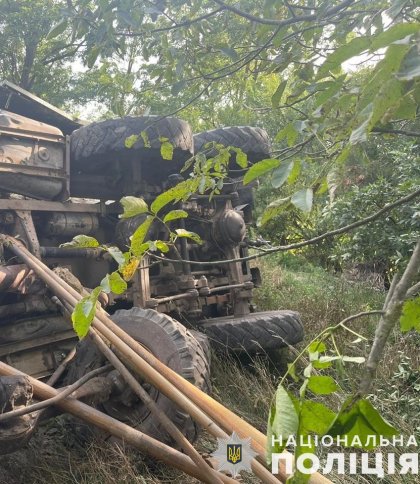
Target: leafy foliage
x=292, y=416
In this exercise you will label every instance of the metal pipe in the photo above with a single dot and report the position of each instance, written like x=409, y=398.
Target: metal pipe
x=191, y=294
x=141, y=393
x=62, y=252
x=174, y=386
x=118, y=429
x=230, y=286
x=167, y=424
x=119, y=338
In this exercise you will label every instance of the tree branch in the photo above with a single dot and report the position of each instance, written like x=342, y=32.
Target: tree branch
x=187, y=23
x=389, y=319
x=413, y=290
x=283, y=248
x=359, y=315
x=414, y=134
x=288, y=21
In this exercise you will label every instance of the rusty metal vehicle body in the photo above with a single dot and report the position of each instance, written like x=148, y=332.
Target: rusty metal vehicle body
x=49, y=193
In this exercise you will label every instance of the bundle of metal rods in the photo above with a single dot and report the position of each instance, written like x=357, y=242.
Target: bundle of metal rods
x=129, y=355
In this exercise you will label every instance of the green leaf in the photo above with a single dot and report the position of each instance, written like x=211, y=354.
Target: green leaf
x=325, y=361
x=57, y=29
x=162, y=246
x=383, y=72
x=407, y=108
x=303, y=199
x=166, y=149
x=359, y=418
x=322, y=186
x=127, y=18
x=317, y=346
x=113, y=283
x=178, y=192
x=178, y=87
x=375, y=419
x=139, y=236
x=294, y=173
x=81, y=241
x=273, y=210
x=410, y=317
x=276, y=97
x=345, y=153
x=260, y=168
x=229, y=52
x=281, y=174
x=321, y=365
x=291, y=369
x=133, y=206
x=175, y=215
x=283, y=420
x=355, y=47
x=289, y=132
x=117, y=255
x=322, y=385
x=84, y=312
x=241, y=157
x=315, y=417
x=395, y=9
x=359, y=134
x=145, y=138
x=354, y=359
x=189, y=235
x=130, y=141
x=117, y=283
x=92, y=55
x=389, y=95
x=106, y=288
x=396, y=32
x=410, y=67
x=328, y=93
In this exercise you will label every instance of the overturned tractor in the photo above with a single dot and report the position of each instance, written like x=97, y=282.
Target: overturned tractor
x=59, y=179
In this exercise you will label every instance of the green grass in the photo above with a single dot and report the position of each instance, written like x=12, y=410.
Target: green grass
x=54, y=456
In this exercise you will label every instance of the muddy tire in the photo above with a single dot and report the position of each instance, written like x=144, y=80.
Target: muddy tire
x=252, y=141
x=98, y=144
x=174, y=346
x=255, y=332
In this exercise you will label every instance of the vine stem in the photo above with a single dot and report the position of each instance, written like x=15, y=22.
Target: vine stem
x=324, y=333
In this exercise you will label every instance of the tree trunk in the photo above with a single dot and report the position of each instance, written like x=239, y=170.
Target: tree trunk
x=28, y=63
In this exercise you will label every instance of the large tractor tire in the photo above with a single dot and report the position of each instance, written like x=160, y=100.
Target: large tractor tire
x=174, y=346
x=104, y=143
x=252, y=141
x=256, y=332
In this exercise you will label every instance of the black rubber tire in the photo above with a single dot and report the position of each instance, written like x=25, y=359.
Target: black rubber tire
x=255, y=332
x=103, y=142
x=252, y=141
x=172, y=344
